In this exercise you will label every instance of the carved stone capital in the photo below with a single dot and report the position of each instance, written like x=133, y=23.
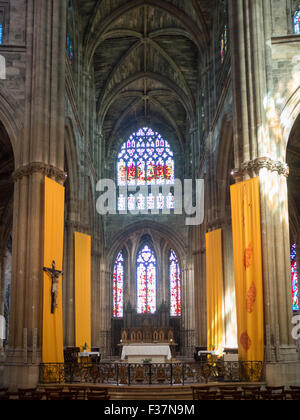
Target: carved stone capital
x=41, y=168
x=261, y=163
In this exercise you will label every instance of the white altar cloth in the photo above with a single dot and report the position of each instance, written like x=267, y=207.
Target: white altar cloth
x=88, y=354
x=137, y=353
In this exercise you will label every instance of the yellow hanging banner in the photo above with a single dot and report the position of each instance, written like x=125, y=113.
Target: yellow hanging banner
x=246, y=226
x=83, y=290
x=214, y=290
x=52, y=341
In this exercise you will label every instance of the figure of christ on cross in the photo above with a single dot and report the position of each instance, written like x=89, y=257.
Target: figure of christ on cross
x=54, y=274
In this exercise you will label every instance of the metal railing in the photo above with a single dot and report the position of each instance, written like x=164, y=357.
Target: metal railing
x=152, y=373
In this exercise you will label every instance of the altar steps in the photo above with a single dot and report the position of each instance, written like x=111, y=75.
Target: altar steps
x=144, y=392
x=162, y=393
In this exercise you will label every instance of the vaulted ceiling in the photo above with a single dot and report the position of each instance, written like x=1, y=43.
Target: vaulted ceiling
x=144, y=54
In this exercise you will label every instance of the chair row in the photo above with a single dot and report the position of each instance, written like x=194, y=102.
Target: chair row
x=56, y=393
x=246, y=393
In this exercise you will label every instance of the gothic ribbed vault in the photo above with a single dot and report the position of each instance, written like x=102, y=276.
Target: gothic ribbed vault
x=145, y=55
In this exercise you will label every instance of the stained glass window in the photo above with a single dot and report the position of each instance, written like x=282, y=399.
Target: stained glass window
x=1, y=33
x=118, y=287
x=224, y=44
x=294, y=279
x=146, y=281
x=297, y=21
x=122, y=202
x=170, y=202
x=70, y=49
x=175, y=285
x=146, y=159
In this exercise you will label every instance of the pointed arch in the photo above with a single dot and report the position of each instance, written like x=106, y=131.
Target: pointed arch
x=145, y=159
x=163, y=53
x=146, y=274
x=11, y=119
x=91, y=41
x=172, y=86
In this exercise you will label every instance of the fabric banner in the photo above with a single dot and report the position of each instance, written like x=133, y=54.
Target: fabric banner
x=246, y=226
x=214, y=290
x=52, y=346
x=83, y=290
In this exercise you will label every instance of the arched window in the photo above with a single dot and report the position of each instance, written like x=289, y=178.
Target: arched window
x=297, y=21
x=146, y=159
x=118, y=287
x=223, y=29
x=295, y=290
x=146, y=280
x=175, y=285
x=70, y=31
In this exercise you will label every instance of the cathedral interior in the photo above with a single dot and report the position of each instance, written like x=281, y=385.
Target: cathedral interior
x=145, y=95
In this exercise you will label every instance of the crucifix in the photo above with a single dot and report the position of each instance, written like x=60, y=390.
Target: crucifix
x=54, y=274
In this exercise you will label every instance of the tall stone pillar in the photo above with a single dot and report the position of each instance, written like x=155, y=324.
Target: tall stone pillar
x=68, y=284
x=257, y=154
x=41, y=153
x=198, y=252
x=105, y=311
x=188, y=333
x=2, y=296
x=96, y=287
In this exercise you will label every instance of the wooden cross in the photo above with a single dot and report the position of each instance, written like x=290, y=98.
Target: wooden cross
x=54, y=274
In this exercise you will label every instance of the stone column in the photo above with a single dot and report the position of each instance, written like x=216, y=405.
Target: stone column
x=2, y=297
x=96, y=292
x=105, y=311
x=40, y=154
x=257, y=154
x=188, y=313
x=68, y=284
x=2, y=294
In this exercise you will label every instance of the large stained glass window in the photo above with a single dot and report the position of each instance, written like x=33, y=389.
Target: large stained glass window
x=175, y=285
x=297, y=22
x=146, y=159
x=118, y=287
x=294, y=279
x=146, y=281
